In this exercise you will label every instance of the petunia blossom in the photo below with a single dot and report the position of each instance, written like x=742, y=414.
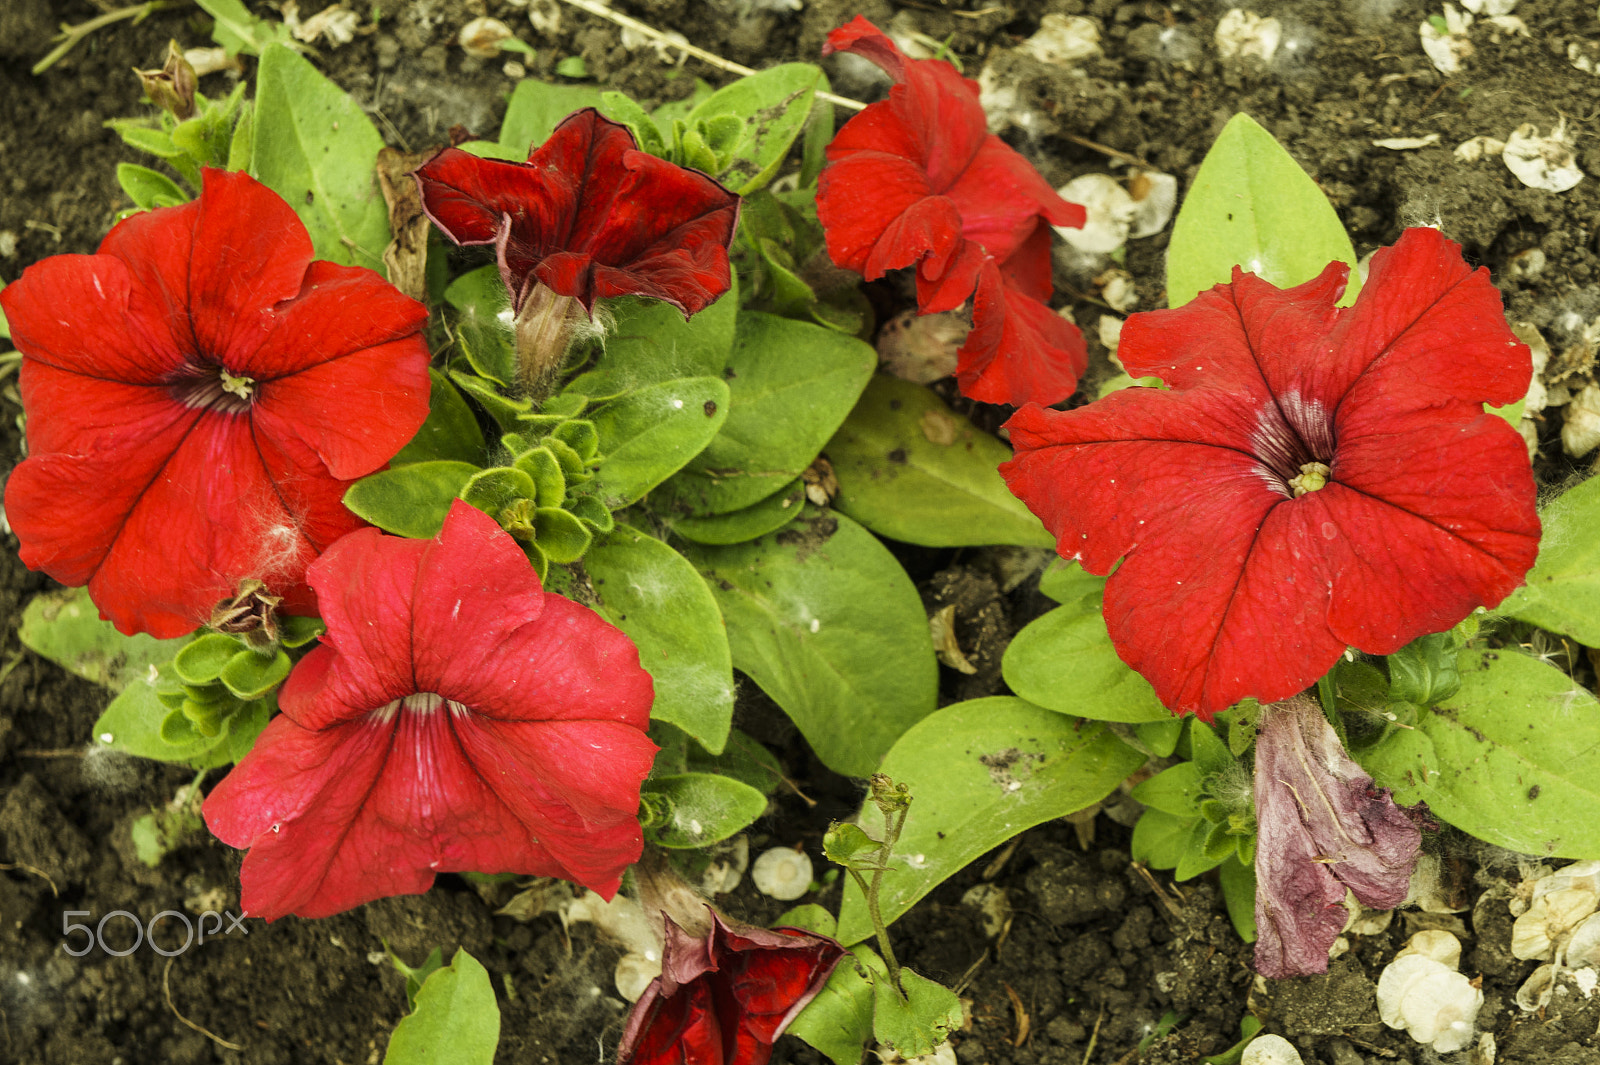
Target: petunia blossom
x=589, y=215
x=1322, y=826
x=725, y=997
x=1316, y=478
x=199, y=395
x=455, y=717
x=918, y=180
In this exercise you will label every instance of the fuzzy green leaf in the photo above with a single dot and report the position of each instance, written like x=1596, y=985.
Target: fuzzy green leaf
x=706, y=808
x=65, y=627
x=650, y=342
x=148, y=188
x=654, y=594
x=912, y=469
x=451, y=432
x=536, y=108
x=483, y=327
x=784, y=409
x=1065, y=661
x=736, y=527
x=1563, y=589
x=649, y=434
x=823, y=618
x=316, y=148
x=979, y=773
x=410, y=500
x=1252, y=206
x=456, y=1019
x=774, y=106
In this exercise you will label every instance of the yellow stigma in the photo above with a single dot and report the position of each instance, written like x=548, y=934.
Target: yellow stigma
x=1313, y=475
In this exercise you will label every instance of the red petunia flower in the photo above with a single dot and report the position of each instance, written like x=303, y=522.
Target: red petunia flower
x=200, y=394
x=917, y=180
x=589, y=215
x=1317, y=478
x=456, y=717
x=725, y=999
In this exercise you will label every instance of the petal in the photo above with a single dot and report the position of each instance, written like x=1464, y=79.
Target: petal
x=1322, y=827
x=472, y=592
x=338, y=311
x=1001, y=198
x=771, y=975
x=1019, y=350
x=859, y=199
x=250, y=253
x=80, y=414
x=1458, y=506
x=1247, y=336
x=82, y=315
x=677, y=1029
x=1425, y=326
x=860, y=37
x=365, y=585
x=955, y=285
x=467, y=196
x=352, y=412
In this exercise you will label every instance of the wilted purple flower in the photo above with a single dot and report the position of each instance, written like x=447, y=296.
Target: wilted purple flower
x=1321, y=827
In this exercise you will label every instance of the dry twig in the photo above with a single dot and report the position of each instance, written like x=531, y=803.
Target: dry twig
x=166, y=988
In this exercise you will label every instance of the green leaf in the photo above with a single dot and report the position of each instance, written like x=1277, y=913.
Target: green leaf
x=410, y=500
x=1175, y=790
x=1515, y=756
x=507, y=413
x=648, y=434
x=838, y=1022
x=1563, y=589
x=742, y=758
x=808, y=917
x=1065, y=661
x=536, y=108
x=316, y=148
x=484, y=325
x=706, y=808
x=249, y=675
x=654, y=594
x=920, y=1021
x=241, y=149
x=823, y=618
x=1424, y=671
x=1161, y=737
x=736, y=527
x=416, y=975
x=132, y=723
x=651, y=342
x=65, y=627
x=620, y=107
x=201, y=661
x=1159, y=839
x=1252, y=206
x=1239, y=893
x=1068, y=583
x=239, y=31
x=1195, y=860
x=981, y=772
x=819, y=131
x=573, y=66
x=774, y=105
x=135, y=134
x=147, y=188
x=911, y=469
x=456, y=1019
x=1208, y=750
x=784, y=409
x=561, y=536
x=451, y=432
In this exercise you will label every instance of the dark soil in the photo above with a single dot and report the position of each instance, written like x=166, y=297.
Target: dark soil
x=1095, y=954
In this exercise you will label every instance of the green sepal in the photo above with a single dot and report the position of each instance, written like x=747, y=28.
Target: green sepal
x=593, y=513
x=296, y=631
x=541, y=465
x=560, y=535
x=494, y=489
x=505, y=412
x=201, y=661
x=249, y=675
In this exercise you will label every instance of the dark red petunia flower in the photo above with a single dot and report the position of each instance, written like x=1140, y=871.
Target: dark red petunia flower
x=1321, y=827
x=589, y=216
x=918, y=180
x=200, y=394
x=725, y=999
x=455, y=717
x=1316, y=478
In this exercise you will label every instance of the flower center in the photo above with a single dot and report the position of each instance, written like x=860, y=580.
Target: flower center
x=210, y=387
x=1293, y=443
x=421, y=703
x=1313, y=475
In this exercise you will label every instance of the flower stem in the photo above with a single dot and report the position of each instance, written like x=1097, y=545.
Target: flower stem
x=73, y=34
x=895, y=802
